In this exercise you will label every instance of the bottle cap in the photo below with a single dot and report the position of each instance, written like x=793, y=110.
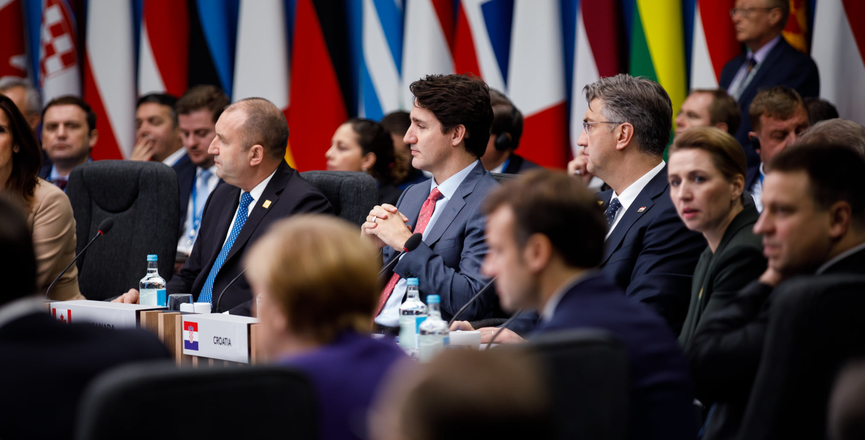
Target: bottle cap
x=152, y=257
x=411, y=281
x=430, y=299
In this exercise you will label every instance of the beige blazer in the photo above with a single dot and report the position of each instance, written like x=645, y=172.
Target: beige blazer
x=53, y=228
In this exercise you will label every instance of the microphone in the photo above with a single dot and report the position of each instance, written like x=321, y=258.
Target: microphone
x=230, y=283
x=477, y=295
x=103, y=229
x=503, y=327
x=411, y=244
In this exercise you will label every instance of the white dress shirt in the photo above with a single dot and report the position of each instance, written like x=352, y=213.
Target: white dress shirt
x=256, y=194
x=629, y=195
x=174, y=157
x=183, y=244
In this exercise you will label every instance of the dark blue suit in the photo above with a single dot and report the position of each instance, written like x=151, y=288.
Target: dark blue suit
x=661, y=393
x=448, y=261
x=346, y=375
x=785, y=66
x=651, y=255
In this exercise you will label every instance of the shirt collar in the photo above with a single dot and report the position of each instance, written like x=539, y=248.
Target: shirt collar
x=212, y=170
x=259, y=189
x=763, y=52
x=450, y=186
x=55, y=175
x=627, y=197
x=553, y=302
x=840, y=257
x=175, y=157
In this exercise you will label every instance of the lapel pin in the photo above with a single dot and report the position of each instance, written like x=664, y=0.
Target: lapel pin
x=600, y=203
x=642, y=208
x=266, y=204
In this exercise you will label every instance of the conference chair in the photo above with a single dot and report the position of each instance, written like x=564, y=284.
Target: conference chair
x=504, y=177
x=816, y=325
x=587, y=371
x=143, y=199
x=353, y=194
x=162, y=401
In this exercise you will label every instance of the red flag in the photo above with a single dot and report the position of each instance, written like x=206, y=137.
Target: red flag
x=163, y=59
x=13, y=57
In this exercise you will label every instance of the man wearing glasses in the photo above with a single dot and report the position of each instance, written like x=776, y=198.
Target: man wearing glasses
x=768, y=61
x=648, y=251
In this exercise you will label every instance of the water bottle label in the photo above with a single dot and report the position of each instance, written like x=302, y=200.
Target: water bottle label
x=147, y=297
x=447, y=341
x=161, y=298
x=418, y=321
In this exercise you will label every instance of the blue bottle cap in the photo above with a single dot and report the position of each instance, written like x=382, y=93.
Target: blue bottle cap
x=152, y=257
x=411, y=281
x=433, y=299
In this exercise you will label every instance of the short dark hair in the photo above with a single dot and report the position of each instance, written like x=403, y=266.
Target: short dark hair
x=161, y=99
x=18, y=260
x=27, y=162
x=397, y=122
x=779, y=102
x=723, y=108
x=507, y=118
x=265, y=125
x=73, y=100
x=200, y=97
x=819, y=110
x=372, y=137
x=558, y=206
x=639, y=101
x=834, y=173
x=458, y=100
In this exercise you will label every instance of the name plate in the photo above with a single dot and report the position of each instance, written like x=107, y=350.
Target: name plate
x=217, y=336
x=101, y=313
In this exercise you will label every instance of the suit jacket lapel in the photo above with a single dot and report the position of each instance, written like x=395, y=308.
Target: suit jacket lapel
x=271, y=192
x=641, y=206
x=770, y=60
x=454, y=205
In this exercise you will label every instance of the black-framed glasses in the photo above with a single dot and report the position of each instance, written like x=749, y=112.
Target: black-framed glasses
x=746, y=12
x=586, y=124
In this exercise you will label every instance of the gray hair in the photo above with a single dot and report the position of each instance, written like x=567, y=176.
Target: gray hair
x=836, y=131
x=33, y=100
x=639, y=101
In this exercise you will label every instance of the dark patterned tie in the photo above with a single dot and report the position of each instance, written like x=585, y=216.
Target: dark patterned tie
x=61, y=183
x=611, y=211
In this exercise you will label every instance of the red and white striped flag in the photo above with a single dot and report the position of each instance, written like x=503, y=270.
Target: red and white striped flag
x=58, y=53
x=13, y=53
x=713, y=43
x=427, y=42
x=163, y=56
x=839, y=51
x=109, y=76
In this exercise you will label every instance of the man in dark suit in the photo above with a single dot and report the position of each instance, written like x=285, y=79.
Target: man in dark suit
x=778, y=115
x=197, y=112
x=68, y=137
x=768, y=61
x=648, y=252
x=45, y=365
x=546, y=262
x=505, y=133
x=250, y=141
x=450, y=127
x=813, y=223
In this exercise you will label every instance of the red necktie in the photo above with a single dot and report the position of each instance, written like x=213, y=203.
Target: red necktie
x=423, y=218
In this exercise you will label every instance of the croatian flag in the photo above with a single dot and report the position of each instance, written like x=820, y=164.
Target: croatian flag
x=58, y=54
x=62, y=315
x=190, y=335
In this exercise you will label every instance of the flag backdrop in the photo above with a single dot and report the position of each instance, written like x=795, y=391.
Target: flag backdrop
x=325, y=61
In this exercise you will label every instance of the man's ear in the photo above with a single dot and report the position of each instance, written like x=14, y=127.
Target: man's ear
x=775, y=16
x=458, y=135
x=755, y=141
x=537, y=252
x=256, y=155
x=722, y=126
x=94, y=136
x=625, y=134
x=841, y=215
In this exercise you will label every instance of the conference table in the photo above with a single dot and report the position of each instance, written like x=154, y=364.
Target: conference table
x=192, y=339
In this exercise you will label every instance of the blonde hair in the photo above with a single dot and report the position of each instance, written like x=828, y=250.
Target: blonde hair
x=321, y=274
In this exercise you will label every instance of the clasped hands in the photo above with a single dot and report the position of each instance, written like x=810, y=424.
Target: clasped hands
x=386, y=226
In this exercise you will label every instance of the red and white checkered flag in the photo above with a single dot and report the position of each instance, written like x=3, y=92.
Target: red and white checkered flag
x=58, y=55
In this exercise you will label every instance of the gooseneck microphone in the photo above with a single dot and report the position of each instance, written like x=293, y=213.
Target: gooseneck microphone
x=471, y=301
x=103, y=229
x=230, y=283
x=411, y=244
x=503, y=327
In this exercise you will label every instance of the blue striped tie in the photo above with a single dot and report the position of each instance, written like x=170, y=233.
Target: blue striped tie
x=239, y=220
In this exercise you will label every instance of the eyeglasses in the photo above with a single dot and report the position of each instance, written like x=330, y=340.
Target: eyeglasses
x=588, y=125
x=746, y=12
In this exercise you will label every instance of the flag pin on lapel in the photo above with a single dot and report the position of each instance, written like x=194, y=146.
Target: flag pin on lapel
x=266, y=204
x=600, y=203
x=642, y=208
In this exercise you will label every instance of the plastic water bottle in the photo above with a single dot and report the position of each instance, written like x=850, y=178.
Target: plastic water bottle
x=433, y=332
x=412, y=313
x=151, y=288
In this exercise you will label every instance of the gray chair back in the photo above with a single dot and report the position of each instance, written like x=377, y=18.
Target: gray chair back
x=352, y=194
x=504, y=177
x=143, y=199
x=587, y=371
x=160, y=400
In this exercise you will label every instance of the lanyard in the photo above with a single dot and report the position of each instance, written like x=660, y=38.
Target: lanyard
x=196, y=215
